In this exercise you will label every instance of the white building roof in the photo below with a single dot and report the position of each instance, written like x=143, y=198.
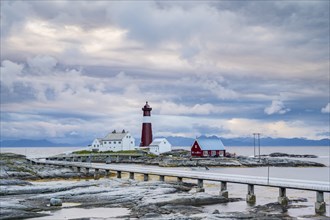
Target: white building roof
x=210, y=144
x=157, y=141
x=115, y=136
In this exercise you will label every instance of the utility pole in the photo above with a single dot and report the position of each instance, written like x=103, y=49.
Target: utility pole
x=254, y=144
x=259, y=144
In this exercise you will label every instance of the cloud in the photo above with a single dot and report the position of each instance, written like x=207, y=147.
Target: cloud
x=9, y=72
x=277, y=107
x=207, y=37
x=326, y=109
x=78, y=65
x=170, y=108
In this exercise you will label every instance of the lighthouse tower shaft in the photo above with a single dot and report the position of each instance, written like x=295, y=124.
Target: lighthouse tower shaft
x=146, y=136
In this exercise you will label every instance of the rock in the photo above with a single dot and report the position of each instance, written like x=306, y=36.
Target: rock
x=6, y=182
x=55, y=202
x=278, y=154
x=151, y=215
x=216, y=212
x=276, y=162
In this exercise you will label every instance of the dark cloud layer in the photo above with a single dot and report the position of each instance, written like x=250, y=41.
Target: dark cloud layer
x=221, y=67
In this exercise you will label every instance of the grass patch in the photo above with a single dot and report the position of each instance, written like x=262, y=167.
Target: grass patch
x=106, y=152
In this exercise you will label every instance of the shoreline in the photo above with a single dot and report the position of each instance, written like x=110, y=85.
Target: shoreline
x=29, y=195
x=182, y=158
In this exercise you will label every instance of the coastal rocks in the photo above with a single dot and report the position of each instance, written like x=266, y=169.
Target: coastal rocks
x=145, y=199
x=17, y=182
x=276, y=162
x=55, y=202
x=237, y=162
x=278, y=154
x=15, y=166
x=180, y=159
x=199, y=162
x=184, y=199
x=38, y=189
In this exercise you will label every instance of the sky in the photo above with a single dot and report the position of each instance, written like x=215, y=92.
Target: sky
x=72, y=71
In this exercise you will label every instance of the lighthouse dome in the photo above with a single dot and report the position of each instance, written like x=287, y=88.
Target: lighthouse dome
x=146, y=107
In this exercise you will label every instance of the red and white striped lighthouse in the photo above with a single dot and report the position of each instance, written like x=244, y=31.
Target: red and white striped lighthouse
x=146, y=136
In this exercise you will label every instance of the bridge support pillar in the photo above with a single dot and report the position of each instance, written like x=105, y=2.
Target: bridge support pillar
x=282, y=199
x=72, y=159
x=108, y=159
x=87, y=170
x=107, y=173
x=200, y=186
x=145, y=177
x=179, y=179
x=251, y=197
x=131, y=175
x=320, y=204
x=161, y=178
x=223, y=190
x=78, y=169
x=130, y=158
x=118, y=174
x=96, y=174
x=117, y=159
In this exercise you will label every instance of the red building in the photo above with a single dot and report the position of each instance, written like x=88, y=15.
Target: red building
x=208, y=148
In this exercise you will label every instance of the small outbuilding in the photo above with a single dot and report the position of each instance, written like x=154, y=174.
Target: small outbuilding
x=208, y=148
x=159, y=146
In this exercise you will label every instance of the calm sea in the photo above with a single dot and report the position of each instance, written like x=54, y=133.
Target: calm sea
x=264, y=194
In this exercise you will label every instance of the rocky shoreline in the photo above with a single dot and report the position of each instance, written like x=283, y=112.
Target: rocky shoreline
x=279, y=154
x=26, y=191
x=181, y=158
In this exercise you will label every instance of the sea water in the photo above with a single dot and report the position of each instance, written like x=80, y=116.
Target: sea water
x=264, y=194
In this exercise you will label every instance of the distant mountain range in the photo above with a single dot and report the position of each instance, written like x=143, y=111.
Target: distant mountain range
x=180, y=141
x=183, y=141
x=35, y=143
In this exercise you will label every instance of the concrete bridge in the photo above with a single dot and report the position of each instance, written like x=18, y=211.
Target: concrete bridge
x=319, y=187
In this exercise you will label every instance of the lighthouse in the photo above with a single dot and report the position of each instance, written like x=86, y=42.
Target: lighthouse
x=146, y=136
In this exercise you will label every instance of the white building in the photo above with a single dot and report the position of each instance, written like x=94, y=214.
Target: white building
x=114, y=141
x=160, y=145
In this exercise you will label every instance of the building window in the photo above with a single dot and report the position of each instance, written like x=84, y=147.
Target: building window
x=131, y=142
x=114, y=142
x=119, y=142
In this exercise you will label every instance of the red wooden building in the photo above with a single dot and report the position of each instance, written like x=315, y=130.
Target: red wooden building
x=208, y=148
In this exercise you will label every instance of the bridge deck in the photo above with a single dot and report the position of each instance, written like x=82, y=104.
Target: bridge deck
x=211, y=176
